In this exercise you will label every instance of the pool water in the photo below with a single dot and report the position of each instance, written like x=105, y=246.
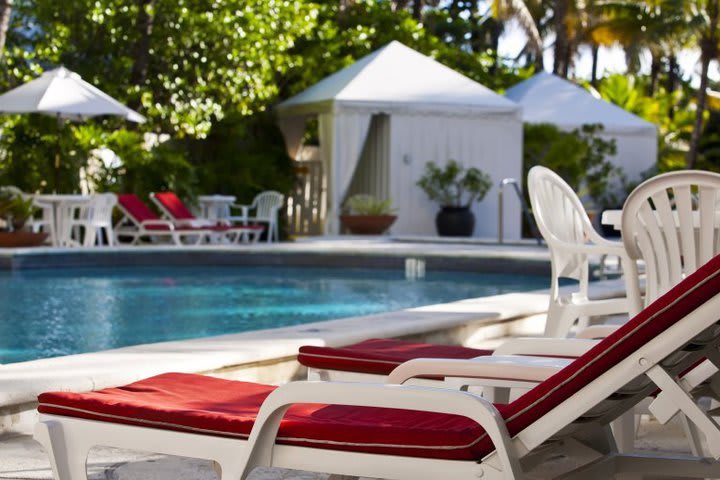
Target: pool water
x=47, y=313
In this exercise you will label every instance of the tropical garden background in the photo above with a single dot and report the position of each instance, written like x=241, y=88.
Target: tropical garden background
x=206, y=74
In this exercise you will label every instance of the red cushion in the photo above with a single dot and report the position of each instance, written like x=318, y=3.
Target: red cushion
x=660, y=315
x=379, y=356
x=174, y=206
x=207, y=405
x=136, y=207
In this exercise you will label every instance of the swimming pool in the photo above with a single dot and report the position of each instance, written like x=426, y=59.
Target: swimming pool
x=47, y=313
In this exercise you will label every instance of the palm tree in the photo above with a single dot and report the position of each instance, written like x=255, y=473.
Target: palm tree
x=521, y=11
x=705, y=14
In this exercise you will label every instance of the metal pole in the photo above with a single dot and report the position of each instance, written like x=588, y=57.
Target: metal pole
x=500, y=212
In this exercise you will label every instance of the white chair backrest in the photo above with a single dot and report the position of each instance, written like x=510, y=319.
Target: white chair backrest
x=267, y=203
x=99, y=209
x=561, y=218
x=671, y=222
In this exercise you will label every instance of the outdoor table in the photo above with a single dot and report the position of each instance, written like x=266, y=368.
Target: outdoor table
x=63, y=205
x=216, y=207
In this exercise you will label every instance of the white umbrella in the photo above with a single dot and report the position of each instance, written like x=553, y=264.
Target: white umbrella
x=62, y=93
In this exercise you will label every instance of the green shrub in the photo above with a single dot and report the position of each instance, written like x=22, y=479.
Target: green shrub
x=454, y=185
x=363, y=204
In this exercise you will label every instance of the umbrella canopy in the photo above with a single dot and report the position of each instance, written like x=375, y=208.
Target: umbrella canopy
x=63, y=93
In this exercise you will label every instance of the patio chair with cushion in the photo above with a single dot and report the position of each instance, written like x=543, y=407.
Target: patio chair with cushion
x=175, y=210
x=266, y=206
x=402, y=432
x=572, y=240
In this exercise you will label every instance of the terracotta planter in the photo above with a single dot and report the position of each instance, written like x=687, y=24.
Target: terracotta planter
x=21, y=239
x=367, y=224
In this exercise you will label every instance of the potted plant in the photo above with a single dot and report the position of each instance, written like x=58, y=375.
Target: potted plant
x=368, y=215
x=455, y=188
x=15, y=211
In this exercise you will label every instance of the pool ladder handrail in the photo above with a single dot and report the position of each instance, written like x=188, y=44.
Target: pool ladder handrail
x=523, y=204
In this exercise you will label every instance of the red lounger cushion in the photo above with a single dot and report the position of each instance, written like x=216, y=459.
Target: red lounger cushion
x=380, y=356
x=136, y=207
x=208, y=405
x=174, y=205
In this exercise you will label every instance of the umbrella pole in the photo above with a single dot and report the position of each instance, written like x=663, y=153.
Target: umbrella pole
x=58, y=148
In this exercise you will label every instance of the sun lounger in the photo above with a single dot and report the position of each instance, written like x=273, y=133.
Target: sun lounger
x=140, y=222
x=174, y=209
x=403, y=432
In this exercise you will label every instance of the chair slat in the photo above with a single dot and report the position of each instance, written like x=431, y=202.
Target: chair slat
x=655, y=241
x=706, y=229
x=666, y=219
x=686, y=224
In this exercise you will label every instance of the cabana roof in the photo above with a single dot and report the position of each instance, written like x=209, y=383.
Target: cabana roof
x=397, y=78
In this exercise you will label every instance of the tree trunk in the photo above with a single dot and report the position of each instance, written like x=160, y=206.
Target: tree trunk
x=595, y=55
x=655, y=66
x=672, y=81
x=560, y=66
x=141, y=49
x=5, y=12
x=417, y=10
x=708, y=49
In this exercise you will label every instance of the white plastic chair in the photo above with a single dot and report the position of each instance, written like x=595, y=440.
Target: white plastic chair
x=672, y=223
x=572, y=240
x=45, y=221
x=95, y=216
x=266, y=206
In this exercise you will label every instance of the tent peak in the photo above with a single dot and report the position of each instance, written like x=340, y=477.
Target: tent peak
x=393, y=76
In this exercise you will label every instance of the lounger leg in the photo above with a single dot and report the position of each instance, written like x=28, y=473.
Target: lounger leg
x=68, y=454
x=624, y=432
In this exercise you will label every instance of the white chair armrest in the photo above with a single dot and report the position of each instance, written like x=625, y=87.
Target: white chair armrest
x=264, y=431
x=493, y=367
x=550, y=347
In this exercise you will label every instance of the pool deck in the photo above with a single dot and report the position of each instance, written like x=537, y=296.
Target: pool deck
x=369, y=252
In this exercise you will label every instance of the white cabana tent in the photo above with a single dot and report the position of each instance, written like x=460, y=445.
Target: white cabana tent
x=382, y=118
x=546, y=98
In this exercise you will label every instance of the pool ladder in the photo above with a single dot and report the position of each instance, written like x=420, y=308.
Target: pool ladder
x=523, y=204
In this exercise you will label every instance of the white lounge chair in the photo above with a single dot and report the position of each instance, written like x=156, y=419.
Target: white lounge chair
x=139, y=222
x=402, y=432
x=572, y=240
x=266, y=206
x=175, y=210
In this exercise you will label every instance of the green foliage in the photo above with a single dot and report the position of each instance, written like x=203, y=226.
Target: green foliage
x=454, y=185
x=243, y=156
x=363, y=204
x=670, y=111
x=15, y=210
x=579, y=157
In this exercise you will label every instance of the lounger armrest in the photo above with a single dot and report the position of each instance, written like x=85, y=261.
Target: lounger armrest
x=164, y=223
x=264, y=431
x=597, y=331
x=546, y=347
x=494, y=367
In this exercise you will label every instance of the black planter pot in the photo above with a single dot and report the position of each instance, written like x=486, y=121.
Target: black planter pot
x=455, y=222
